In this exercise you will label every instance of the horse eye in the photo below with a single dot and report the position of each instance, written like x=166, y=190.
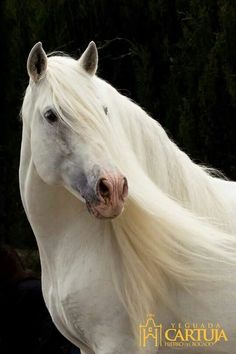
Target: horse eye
x=50, y=116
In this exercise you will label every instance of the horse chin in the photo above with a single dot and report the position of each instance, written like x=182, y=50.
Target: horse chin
x=104, y=214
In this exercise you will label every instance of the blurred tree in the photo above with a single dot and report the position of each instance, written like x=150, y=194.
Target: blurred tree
x=176, y=58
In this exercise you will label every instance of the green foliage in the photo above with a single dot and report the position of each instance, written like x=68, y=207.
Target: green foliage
x=177, y=57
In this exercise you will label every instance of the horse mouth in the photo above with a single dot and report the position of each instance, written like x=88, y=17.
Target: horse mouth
x=103, y=214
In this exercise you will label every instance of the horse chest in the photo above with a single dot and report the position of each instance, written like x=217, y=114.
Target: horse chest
x=82, y=300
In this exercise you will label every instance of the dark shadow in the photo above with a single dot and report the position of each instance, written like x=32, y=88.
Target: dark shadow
x=25, y=324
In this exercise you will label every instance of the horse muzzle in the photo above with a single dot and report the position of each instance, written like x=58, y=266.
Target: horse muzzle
x=111, y=194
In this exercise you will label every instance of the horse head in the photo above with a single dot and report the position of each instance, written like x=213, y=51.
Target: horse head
x=77, y=158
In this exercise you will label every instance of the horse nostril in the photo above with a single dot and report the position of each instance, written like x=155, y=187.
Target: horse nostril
x=112, y=189
x=103, y=188
x=125, y=188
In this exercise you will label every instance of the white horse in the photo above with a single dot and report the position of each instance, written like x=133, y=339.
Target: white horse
x=125, y=222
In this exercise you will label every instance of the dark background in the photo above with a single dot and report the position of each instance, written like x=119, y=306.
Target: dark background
x=176, y=58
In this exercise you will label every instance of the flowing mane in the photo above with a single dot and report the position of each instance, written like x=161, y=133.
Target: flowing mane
x=176, y=222
x=141, y=138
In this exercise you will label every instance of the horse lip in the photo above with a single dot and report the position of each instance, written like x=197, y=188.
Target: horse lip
x=92, y=211
x=97, y=214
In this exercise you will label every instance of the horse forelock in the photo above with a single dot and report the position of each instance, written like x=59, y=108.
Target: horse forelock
x=76, y=95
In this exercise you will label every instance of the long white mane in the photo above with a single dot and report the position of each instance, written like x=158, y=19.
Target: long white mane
x=176, y=223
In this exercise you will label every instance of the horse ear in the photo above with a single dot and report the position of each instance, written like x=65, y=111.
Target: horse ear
x=37, y=62
x=89, y=59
